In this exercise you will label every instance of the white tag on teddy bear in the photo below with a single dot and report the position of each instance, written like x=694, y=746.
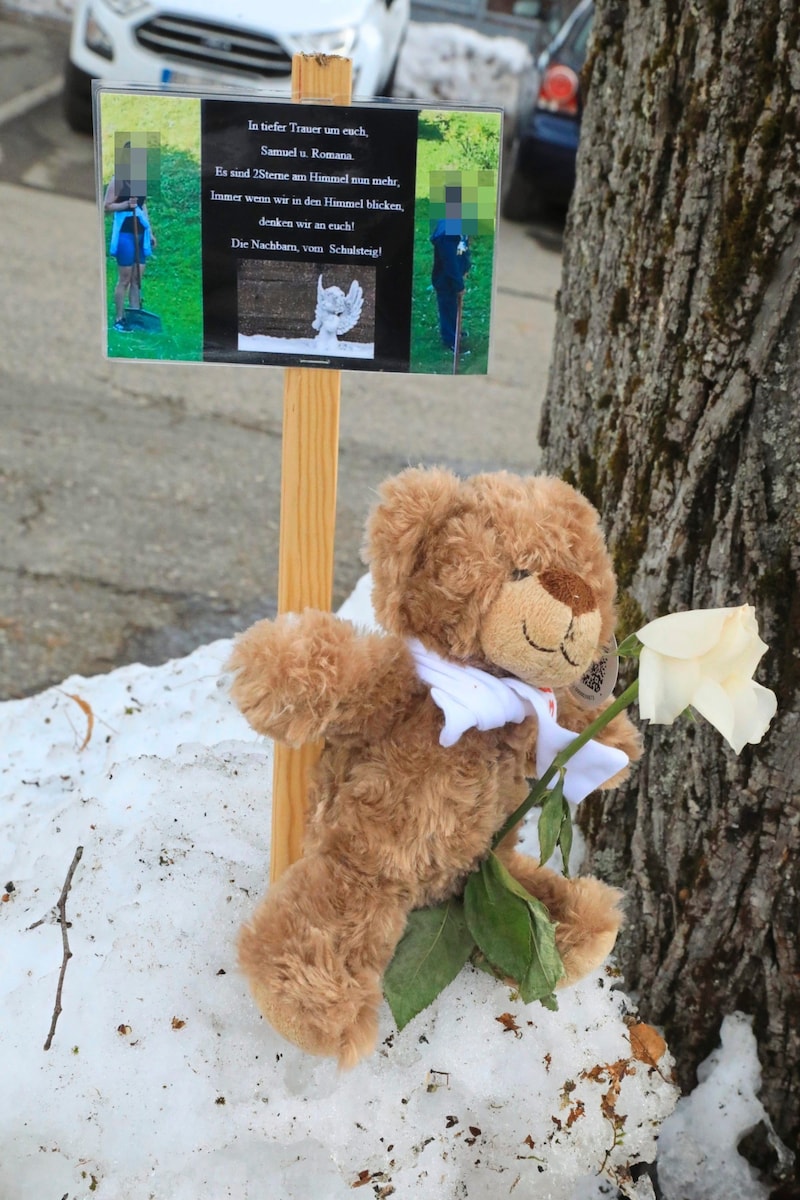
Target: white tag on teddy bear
x=597, y=684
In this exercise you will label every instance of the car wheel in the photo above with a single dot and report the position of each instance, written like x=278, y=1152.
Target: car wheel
x=387, y=89
x=77, y=98
x=520, y=199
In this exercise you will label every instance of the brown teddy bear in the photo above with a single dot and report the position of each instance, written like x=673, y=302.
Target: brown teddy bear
x=507, y=577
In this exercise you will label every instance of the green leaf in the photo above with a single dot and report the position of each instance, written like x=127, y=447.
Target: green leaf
x=549, y=1001
x=430, y=954
x=498, y=918
x=630, y=647
x=565, y=837
x=546, y=966
x=550, y=820
x=512, y=929
x=481, y=963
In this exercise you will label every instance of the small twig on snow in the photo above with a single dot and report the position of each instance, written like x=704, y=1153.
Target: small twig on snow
x=62, y=920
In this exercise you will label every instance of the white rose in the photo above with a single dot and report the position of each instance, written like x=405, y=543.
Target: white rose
x=706, y=659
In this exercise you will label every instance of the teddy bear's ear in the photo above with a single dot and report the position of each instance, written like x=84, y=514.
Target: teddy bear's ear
x=412, y=508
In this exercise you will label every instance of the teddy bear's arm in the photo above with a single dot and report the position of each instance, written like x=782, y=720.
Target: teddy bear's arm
x=302, y=677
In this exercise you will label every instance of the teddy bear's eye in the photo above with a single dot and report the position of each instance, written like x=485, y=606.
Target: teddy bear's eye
x=519, y=573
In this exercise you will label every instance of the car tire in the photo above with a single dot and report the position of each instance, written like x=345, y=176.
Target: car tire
x=387, y=91
x=76, y=98
x=520, y=200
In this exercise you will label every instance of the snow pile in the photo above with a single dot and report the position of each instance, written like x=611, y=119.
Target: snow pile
x=697, y=1152
x=455, y=65
x=163, y=1080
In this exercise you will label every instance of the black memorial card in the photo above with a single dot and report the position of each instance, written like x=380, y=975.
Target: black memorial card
x=300, y=205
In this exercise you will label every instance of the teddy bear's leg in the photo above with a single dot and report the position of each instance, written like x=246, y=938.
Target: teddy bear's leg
x=314, y=955
x=586, y=910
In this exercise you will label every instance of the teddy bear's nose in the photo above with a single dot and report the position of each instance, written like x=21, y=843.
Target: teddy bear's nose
x=569, y=589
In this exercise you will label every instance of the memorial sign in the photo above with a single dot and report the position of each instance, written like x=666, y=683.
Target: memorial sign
x=260, y=232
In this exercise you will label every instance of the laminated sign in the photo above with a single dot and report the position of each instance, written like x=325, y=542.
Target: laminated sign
x=245, y=230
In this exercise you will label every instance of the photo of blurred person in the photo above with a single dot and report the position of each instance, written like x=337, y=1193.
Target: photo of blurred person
x=132, y=238
x=451, y=264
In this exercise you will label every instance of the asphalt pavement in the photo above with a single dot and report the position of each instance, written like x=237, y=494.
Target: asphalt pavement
x=139, y=504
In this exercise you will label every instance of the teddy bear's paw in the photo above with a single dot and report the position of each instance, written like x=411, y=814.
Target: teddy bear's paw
x=303, y=988
x=279, y=675
x=295, y=677
x=346, y=1029
x=588, y=923
x=358, y=1040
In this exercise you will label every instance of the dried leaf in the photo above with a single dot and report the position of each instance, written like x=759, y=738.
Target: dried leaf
x=610, y=1072
x=508, y=1023
x=647, y=1044
x=608, y=1102
x=177, y=1023
x=578, y=1111
x=87, y=709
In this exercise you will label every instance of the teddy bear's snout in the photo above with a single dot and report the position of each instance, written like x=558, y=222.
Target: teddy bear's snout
x=543, y=627
x=569, y=589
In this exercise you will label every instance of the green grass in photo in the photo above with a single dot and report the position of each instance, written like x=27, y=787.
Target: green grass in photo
x=172, y=284
x=467, y=143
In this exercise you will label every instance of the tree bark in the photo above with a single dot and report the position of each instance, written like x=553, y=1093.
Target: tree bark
x=674, y=405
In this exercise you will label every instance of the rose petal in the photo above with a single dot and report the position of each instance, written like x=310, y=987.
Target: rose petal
x=713, y=702
x=754, y=707
x=685, y=634
x=666, y=686
x=739, y=649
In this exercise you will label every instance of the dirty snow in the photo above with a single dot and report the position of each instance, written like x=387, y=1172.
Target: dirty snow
x=162, y=1078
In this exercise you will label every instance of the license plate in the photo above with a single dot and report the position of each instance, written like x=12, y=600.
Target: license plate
x=200, y=82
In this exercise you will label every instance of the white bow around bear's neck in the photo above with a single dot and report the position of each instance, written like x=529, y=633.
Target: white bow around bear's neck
x=472, y=698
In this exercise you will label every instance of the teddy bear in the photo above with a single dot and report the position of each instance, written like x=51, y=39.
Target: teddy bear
x=486, y=585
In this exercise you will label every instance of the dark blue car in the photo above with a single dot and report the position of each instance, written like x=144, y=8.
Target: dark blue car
x=541, y=164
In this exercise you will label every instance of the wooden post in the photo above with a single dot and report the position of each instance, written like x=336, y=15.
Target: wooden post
x=309, y=467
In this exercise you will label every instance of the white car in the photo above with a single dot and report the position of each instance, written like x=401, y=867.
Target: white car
x=243, y=44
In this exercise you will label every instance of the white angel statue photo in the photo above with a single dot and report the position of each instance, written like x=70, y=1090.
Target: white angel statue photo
x=336, y=313
x=279, y=304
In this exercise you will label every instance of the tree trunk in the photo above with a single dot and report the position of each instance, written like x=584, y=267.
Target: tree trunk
x=674, y=405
